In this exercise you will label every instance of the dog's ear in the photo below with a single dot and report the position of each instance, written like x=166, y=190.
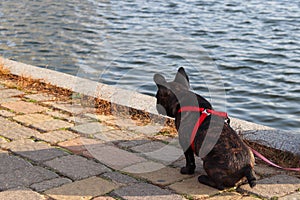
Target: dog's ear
x=182, y=78
x=159, y=80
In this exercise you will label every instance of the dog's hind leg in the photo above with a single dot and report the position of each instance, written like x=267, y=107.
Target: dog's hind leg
x=190, y=162
x=204, y=179
x=250, y=175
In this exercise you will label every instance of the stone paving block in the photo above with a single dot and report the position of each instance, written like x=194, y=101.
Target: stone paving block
x=149, y=147
x=119, y=178
x=149, y=130
x=193, y=188
x=40, y=97
x=32, y=118
x=91, y=128
x=10, y=163
x=163, y=176
x=87, y=154
x=10, y=93
x=249, y=198
x=78, y=120
x=160, y=152
x=82, y=190
x=5, y=113
x=57, y=114
x=123, y=123
x=132, y=125
x=20, y=132
x=51, y=125
x=76, y=145
x=24, y=107
x=231, y=196
x=141, y=191
x=76, y=167
x=114, y=157
x=25, y=177
x=36, y=151
x=6, y=124
x=164, y=138
x=21, y=193
x=143, y=167
x=294, y=196
x=48, y=103
x=227, y=196
x=101, y=118
x=127, y=144
x=104, y=198
x=55, y=137
x=72, y=108
x=275, y=186
x=10, y=99
x=49, y=184
x=80, y=144
x=117, y=135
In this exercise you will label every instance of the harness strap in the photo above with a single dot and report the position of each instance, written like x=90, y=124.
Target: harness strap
x=198, y=109
x=204, y=113
x=196, y=127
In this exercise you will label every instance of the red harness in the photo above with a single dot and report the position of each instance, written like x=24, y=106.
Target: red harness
x=204, y=113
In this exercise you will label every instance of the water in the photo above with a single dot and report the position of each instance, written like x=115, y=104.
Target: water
x=246, y=50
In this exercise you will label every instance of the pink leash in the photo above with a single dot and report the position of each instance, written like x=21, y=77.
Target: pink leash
x=273, y=164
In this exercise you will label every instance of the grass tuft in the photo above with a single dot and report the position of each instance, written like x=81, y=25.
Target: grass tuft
x=29, y=84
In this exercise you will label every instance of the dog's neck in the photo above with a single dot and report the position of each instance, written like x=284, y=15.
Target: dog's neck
x=191, y=99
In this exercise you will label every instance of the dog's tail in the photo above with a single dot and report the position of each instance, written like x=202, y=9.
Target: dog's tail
x=250, y=175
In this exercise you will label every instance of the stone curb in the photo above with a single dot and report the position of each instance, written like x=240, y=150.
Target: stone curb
x=278, y=139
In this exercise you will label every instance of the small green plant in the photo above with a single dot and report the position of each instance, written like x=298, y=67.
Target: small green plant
x=164, y=133
x=4, y=138
x=63, y=129
x=189, y=197
x=31, y=100
x=65, y=150
x=76, y=96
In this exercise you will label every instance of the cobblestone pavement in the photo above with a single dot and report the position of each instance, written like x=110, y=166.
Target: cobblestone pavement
x=62, y=150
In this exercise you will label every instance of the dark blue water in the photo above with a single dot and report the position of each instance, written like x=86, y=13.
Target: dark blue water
x=244, y=55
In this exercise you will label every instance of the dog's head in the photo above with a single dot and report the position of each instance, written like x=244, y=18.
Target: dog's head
x=169, y=92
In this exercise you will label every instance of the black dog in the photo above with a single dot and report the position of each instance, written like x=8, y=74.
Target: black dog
x=228, y=158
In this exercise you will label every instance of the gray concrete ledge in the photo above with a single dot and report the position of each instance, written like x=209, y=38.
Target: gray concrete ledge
x=279, y=139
